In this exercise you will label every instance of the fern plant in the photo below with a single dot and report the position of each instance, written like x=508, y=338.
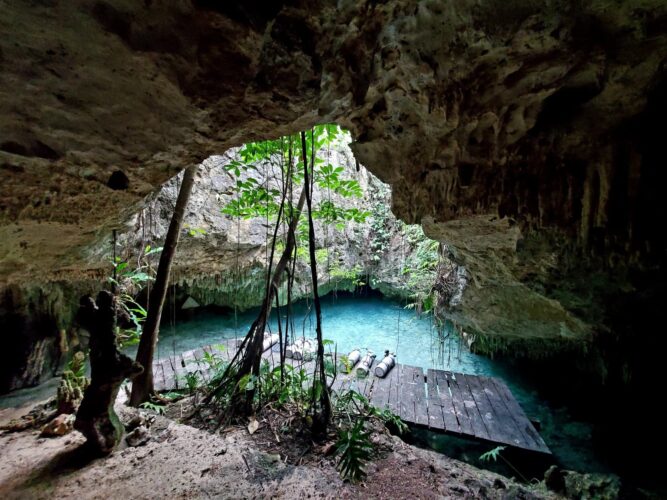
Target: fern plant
x=159, y=409
x=492, y=454
x=354, y=448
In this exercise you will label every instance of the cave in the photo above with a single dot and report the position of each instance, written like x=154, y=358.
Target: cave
x=506, y=161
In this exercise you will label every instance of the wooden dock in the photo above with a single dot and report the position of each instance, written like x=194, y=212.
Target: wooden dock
x=454, y=403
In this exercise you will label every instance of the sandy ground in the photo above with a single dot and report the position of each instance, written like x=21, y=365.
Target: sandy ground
x=184, y=462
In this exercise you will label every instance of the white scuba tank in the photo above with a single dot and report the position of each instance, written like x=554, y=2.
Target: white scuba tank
x=305, y=350
x=385, y=366
x=352, y=359
x=365, y=364
x=294, y=346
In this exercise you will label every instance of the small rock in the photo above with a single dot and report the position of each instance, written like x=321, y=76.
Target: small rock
x=554, y=479
x=498, y=484
x=222, y=451
x=59, y=426
x=138, y=436
x=328, y=448
x=253, y=426
x=136, y=421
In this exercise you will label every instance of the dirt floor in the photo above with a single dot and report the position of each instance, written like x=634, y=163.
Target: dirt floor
x=181, y=461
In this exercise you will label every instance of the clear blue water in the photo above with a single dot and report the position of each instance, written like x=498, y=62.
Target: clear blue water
x=380, y=324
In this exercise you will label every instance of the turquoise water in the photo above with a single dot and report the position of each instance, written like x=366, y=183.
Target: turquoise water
x=380, y=324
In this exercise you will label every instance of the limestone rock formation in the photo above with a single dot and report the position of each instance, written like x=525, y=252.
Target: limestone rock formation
x=222, y=259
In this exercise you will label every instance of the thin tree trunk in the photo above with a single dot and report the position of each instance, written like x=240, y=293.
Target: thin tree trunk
x=142, y=386
x=323, y=412
x=250, y=350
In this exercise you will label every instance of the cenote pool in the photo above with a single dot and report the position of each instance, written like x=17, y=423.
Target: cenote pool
x=378, y=324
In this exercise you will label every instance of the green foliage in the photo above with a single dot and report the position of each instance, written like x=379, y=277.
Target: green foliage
x=136, y=276
x=295, y=387
x=72, y=384
x=354, y=449
x=192, y=381
x=381, y=229
x=137, y=314
x=354, y=275
x=321, y=255
x=77, y=365
x=390, y=419
x=173, y=395
x=354, y=445
x=252, y=199
x=129, y=280
x=492, y=454
x=194, y=231
x=419, y=270
x=157, y=408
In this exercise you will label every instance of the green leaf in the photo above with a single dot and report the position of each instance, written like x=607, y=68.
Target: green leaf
x=492, y=454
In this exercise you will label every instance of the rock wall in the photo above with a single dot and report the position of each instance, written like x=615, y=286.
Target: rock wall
x=37, y=331
x=222, y=260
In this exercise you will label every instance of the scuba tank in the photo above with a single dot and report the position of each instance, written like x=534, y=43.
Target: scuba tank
x=365, y=364
x=352, y=359
x=305, y=351
x=294, y=346
x=385, y=366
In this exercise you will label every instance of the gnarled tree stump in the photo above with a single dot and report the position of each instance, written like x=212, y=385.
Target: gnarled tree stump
x=96, y=418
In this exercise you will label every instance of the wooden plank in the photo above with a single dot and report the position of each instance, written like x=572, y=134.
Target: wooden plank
x=484, y=407
x=522, y=421
x=421, y=405
x=444, y=396
x=202, y=366
x=367, y=386
x=394, y=384
x=168, y=374
x=459, y=405
x=163, y=377
x=476, y=421
x=380, y=394
x=435, y=412
x=509, y=434
x=456, y=403
x=341, y=384
x=407, y=394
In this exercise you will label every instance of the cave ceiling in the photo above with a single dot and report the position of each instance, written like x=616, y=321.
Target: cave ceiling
x=525, y=134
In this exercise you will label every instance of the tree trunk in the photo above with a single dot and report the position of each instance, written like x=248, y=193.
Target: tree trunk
x=250, y=351
x=96, y=418
x=142, y=386
x=321, y=407
x=250, y=362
